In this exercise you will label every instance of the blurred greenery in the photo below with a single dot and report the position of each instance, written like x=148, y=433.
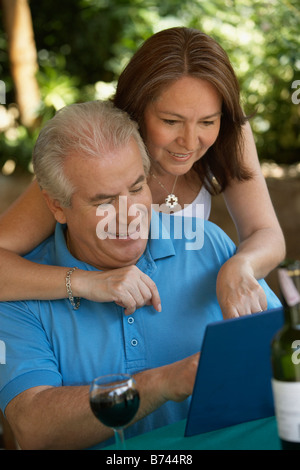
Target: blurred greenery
x=83, y=45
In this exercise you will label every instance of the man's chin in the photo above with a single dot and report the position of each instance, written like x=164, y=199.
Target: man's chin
x=123, y=253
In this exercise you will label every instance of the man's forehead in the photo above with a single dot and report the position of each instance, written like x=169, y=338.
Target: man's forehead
x=113, y=193
x=100, y=178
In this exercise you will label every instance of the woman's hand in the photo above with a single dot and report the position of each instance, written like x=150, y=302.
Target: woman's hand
x=238, y=291
x=128, y=287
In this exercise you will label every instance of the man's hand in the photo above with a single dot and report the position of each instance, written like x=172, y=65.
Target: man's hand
x=173, y=382
x=128, y=287
x=45, y=417
x=178, y=379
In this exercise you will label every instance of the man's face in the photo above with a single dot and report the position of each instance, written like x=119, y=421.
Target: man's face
x=115, y=182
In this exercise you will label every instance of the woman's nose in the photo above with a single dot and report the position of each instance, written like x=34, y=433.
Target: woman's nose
x=189, y=139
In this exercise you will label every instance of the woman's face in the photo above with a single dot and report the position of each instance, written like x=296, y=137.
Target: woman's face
x=181, y=124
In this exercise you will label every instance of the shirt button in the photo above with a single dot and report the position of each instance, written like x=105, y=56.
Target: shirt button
x=130, y=320
x=134, y=342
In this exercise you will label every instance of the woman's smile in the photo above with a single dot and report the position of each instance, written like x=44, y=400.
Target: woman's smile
x=181, y=156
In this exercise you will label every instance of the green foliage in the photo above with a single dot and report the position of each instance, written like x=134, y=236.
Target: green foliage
x=84, y=44
x=262, y=40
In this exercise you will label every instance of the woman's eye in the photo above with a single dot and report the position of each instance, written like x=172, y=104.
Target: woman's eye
x=208, y=123
x=170, y=122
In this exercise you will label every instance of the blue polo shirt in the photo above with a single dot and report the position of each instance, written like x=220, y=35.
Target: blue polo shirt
x=49, y=343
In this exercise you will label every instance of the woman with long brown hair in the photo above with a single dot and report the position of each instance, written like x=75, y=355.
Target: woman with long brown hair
x=182, y=91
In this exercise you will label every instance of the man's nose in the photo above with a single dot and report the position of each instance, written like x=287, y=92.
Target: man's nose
x=126, y=211
x=122, y=214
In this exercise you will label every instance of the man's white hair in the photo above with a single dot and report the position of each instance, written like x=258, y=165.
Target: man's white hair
x=92, y=130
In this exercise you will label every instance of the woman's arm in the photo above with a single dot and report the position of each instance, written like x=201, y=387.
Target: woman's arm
x=261, y=241
x=26, y=224
x=22, y=227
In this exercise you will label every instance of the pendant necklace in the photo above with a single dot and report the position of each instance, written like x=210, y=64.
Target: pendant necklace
x=171, y=200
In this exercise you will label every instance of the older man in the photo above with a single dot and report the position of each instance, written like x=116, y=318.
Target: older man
x=88, y=159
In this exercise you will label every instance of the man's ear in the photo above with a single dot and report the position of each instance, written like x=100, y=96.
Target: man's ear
x=55, y=207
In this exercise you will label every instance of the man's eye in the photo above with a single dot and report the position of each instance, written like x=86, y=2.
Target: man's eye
x=104, y=204
x=137, y=190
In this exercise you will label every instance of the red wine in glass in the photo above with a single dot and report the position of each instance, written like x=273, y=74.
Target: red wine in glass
x=114, y=400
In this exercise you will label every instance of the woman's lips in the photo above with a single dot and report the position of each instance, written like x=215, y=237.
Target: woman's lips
x=181, y=156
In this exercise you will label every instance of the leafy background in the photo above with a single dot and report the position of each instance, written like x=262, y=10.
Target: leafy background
x=83, y=45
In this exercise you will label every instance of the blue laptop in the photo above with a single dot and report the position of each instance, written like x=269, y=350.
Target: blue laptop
x=233, y=382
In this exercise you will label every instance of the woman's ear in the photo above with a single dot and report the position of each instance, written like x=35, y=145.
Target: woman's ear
x=55, y=207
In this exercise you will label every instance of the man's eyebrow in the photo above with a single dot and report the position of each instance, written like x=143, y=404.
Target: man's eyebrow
x=182, y=117
x=103, y=196
x=140, y=179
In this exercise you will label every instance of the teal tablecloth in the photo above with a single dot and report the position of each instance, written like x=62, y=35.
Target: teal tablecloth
x=254, y=435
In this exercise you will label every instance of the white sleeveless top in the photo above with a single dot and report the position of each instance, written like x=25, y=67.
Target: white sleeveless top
x=200, y=207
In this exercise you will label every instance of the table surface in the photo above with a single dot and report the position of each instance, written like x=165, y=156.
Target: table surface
x=259, y=434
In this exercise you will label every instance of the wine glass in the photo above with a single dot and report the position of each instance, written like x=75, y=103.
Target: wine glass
x=114, y=400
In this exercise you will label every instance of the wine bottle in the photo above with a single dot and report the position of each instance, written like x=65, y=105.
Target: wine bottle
x=285, y=353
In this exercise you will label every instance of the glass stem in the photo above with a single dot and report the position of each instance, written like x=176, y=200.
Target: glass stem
x=120, y=441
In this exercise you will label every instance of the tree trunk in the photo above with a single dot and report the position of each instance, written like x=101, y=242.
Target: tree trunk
x=23, y=58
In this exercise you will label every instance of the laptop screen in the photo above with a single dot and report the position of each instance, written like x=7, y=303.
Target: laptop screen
x=233, y=381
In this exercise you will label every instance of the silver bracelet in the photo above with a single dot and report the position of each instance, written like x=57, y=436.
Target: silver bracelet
x=75, y=302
